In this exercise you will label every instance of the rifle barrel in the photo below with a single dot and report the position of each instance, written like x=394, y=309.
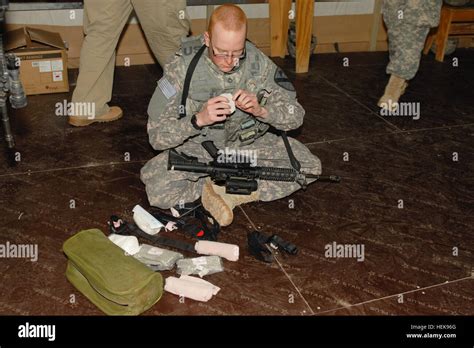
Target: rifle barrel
x=181, y=162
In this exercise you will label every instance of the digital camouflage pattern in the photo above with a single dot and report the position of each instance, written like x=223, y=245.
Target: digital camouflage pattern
x=254, y=73
x=408, y=23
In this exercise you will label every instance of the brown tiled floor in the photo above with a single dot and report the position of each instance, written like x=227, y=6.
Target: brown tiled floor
x=408, y=252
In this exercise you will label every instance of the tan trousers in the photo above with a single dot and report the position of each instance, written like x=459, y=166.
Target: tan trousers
x=163, y=22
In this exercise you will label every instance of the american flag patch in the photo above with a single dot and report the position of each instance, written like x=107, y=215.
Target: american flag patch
x=166, y=87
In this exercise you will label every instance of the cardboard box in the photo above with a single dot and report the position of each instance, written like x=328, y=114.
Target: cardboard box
x=43, y=60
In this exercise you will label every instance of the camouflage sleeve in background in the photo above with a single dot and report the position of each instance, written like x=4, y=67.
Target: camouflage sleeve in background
x=284, y=111
x=165, y=130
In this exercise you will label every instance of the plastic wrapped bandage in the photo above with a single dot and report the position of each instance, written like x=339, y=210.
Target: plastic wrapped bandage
x=201, y=266
x=157, y=259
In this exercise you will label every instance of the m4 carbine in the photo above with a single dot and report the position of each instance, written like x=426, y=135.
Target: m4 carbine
x=239, y=178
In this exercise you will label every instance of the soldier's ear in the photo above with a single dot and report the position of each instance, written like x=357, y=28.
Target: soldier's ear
x=207, y=38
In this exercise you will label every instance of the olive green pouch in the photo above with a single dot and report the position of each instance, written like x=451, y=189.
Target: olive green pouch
x=116, y=283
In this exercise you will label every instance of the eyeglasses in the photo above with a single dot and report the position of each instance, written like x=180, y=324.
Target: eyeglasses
x=224, y=56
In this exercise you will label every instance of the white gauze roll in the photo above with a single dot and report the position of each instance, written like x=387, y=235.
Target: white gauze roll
x=231, y=102
x=227, y=251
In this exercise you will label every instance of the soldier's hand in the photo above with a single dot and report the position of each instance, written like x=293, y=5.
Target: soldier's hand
x=248, y=102
x=215, y=110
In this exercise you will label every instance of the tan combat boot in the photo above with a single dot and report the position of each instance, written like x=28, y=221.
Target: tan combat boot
x=220, y=204
x=393, y=91
x=80, y=121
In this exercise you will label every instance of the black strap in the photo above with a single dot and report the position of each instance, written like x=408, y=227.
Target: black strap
x=294, y=162
x=187, y=80
x=122, y=227
x=207, y=228
x=168, y=242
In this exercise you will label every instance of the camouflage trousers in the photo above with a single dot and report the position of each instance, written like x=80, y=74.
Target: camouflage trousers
x=166, y=189
x=408, y=23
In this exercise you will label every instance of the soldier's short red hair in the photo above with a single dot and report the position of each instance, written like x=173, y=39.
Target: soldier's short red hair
x=230, y=16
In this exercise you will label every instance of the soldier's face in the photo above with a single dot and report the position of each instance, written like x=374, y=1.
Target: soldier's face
x=225, y=47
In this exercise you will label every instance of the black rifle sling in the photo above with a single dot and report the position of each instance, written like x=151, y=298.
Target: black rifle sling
x=187, y=80
x=294, y=162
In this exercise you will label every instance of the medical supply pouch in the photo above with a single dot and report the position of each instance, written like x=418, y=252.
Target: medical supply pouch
x=115, y=282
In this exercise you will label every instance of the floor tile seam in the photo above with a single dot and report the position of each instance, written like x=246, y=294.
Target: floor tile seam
x=359, y=102
x=398, y=294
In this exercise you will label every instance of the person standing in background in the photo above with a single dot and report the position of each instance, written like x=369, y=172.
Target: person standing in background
x=408, y=23
x=163, y=22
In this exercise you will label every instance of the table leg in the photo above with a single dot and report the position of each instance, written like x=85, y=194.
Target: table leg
x=304, y=31
x=279, y=22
